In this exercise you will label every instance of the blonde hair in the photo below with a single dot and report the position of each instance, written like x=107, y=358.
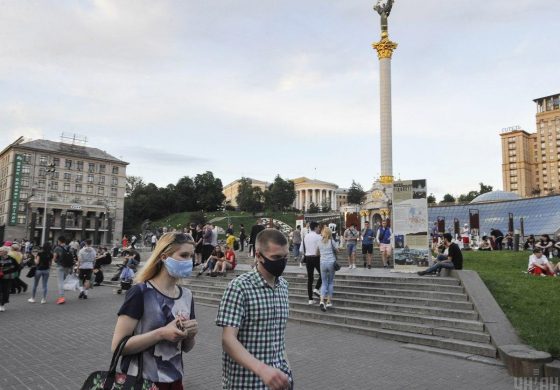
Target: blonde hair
x=168, y=244
x=326, y=233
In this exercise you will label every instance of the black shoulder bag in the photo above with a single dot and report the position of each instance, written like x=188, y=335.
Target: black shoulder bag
x=110, y=380
x=336, y=265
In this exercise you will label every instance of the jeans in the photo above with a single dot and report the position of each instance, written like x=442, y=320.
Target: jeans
x=296, y=251
x=5, y=286
x=312, y=264
x=62, y=273
x=327, y=275
x=41, y=274
x=438, y=266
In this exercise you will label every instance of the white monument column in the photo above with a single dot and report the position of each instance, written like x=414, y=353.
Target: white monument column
x=385, y=48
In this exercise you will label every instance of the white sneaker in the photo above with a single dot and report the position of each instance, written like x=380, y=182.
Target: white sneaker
x=329, y=304
x=316, y=292
x=300, y=265
x=310, y=302
x=2, y=308
x=353, y=266
x=349, y=266
x=31, y=300
x=43, y=301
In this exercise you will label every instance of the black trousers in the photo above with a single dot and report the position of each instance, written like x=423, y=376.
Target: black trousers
x=207, y=250
x=312, y=263
x=5, y=286
x=241, y=243
x=17, y=283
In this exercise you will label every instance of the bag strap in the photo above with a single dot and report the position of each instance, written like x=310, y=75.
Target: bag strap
x=117, y=355
x=334, y=250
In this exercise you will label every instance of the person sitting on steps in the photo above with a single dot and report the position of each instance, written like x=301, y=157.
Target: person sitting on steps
x=454, y=257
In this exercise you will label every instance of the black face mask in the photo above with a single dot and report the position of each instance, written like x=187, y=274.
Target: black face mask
x=275, y=267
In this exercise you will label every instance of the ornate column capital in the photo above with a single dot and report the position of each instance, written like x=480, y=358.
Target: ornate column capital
x=385, y=46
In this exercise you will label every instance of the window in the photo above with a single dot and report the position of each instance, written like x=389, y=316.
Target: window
x=54, y=186
x=42, y=172
x=79, y=177
x=90, y=189
x=512, y=153
x=67, y=187
x=21, y=219
x=21, y=207
x=41, y=184
x=80, y=165
x=23, y=195
x=25, y=182
x=91, y=167
x=78, y=188
x=114, y=181
x=68, y=164
x=101, y=168
x=25, y=170
x=27, y=158
x=56, y=161
x=90, y=178
x=113, y=191
x=102, y=180
x=67, y=176
x=115, y=170
x=100, y=190
x=43, y=160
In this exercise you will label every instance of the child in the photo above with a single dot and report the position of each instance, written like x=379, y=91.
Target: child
x=539, y=265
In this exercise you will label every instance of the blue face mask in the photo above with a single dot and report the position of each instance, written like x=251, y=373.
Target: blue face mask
x=178, y=269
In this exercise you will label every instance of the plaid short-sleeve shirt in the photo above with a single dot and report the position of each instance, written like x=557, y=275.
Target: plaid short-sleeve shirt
x=261, y=313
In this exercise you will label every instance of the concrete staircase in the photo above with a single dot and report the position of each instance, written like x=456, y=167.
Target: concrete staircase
x=428, y=311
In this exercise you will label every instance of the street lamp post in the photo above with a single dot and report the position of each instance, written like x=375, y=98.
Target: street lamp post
x=50, y=169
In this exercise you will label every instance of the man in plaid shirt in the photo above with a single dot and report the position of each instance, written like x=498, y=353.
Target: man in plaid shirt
x=253, y=314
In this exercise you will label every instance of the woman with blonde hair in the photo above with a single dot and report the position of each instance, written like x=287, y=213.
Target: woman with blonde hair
x=327, y=251
x=159, y=314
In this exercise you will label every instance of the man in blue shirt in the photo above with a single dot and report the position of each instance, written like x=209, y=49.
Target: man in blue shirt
x=367, y=245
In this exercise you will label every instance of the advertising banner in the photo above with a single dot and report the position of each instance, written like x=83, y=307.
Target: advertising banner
x=16, y=188
x=410, y=225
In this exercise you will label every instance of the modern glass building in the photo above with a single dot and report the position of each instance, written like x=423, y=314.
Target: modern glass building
x=540, y=215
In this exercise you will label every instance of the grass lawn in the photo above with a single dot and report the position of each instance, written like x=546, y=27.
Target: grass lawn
x=236, y=217
x=531, y=303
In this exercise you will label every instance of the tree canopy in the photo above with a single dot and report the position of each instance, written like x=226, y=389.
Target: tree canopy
x=356, y=193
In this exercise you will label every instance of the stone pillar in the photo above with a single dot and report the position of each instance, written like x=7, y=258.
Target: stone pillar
x=63, y=224
x=97, y=222
x=385, y=50
x=321, y=198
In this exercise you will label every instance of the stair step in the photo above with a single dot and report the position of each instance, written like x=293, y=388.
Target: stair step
x=482, y=349
x=304, y=312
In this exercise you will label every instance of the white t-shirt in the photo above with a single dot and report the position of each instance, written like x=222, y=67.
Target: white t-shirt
x=154, y=239
x=533, y=261
x=311, y=240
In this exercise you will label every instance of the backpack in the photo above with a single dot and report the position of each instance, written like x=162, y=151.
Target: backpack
x=236, y=245
x=67, y=260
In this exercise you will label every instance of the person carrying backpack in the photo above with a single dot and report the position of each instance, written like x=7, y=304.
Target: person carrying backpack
x=86, y=260
x=64, y=261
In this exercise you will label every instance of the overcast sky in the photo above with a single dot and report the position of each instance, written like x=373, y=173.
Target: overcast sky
x=259, y=87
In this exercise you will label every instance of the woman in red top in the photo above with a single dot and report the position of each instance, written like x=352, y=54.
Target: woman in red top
x=125, y=242
x=225, y=263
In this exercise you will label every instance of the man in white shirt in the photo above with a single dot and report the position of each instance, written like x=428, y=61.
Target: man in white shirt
x=539, y=264
x=310, y=245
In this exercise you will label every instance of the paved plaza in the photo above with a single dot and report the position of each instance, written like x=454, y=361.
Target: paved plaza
x=55, y=347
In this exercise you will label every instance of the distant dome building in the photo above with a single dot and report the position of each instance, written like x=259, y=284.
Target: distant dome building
x=496, y=196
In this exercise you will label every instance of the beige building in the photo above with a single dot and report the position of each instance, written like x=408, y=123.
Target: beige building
x=314, y=191
x=531, y=161
x=84, y=189
x=231, y=190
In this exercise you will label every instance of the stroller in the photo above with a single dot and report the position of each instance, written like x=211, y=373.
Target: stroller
x=127, y=274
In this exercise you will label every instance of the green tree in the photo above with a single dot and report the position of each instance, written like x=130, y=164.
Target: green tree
x=484, y=188
x=208, y=192
x=249, y=198
x=356, y=193
x=133, y=182
x=280, y=195
x=464, y=198
x=326, y=206
x=185, y=194
x=431, y=199
x=448, y=198
x=313, y=208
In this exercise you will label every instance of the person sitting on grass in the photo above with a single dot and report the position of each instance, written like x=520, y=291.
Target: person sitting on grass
x=216, y=255
x=454, y=258
x=539, y=264
x=530, y=243
x=225, y=263
x=485, y=244
x=545, y=244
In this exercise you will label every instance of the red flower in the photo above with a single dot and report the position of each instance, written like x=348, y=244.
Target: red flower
x=120, y=379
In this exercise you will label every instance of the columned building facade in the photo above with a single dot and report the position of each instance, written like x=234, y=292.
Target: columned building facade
x=81, y=187
x=319, y=193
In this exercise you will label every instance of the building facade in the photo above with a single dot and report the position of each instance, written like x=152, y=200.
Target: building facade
x=320, y=193
x=81, y=188
x=231, y=190
x=531, y=161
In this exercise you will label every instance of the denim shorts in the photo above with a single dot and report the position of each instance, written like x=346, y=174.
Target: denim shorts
x=351, y=247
